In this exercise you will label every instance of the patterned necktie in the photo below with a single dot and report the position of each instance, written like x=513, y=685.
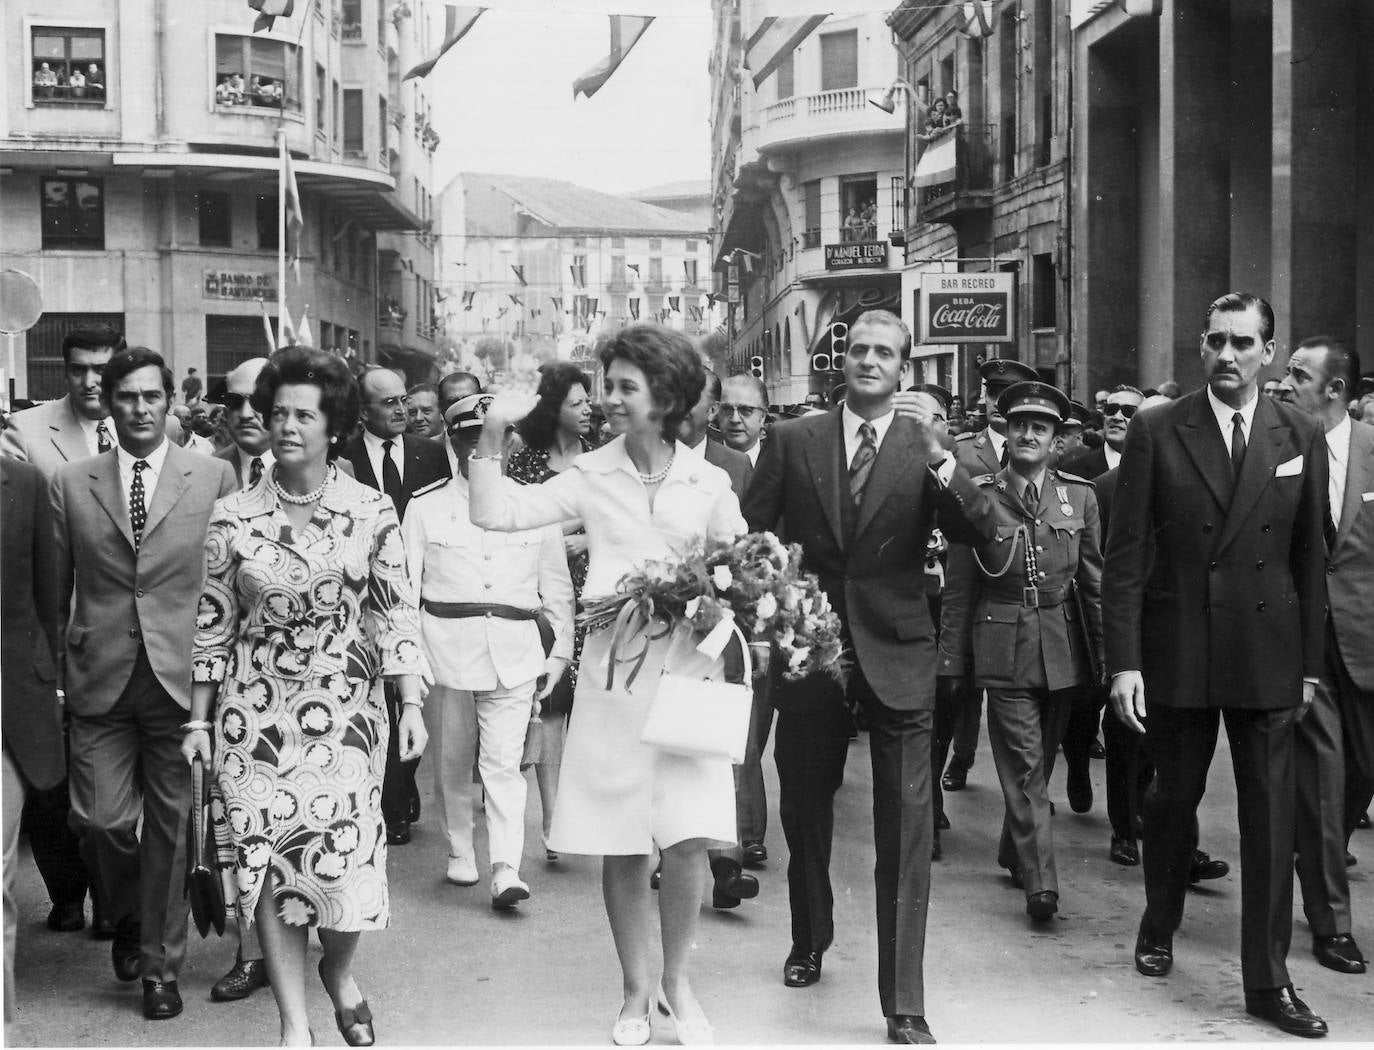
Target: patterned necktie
x=102, y=438
x=138, y=511
x=863, y=462
x=1237, y=443
x=254, y=471
x=391, y=477
x=1030, y=498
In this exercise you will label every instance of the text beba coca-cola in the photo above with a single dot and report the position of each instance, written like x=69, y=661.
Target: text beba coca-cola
x=976, y=316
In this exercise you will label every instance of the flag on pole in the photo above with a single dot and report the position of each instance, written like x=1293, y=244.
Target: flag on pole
x=634, y=307
x=295, y=216
x=978, y=19
x=286, y=331
x=457, y=21
x=775, y=39
x=625, y=33
x=269, y=11
x=303, y=332
x=519, y=274
x=267, y=327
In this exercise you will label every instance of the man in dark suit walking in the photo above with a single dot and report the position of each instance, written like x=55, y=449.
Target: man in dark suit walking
x=1335, y=741
x=859, y=487
x=388, y=458
x=1213, y=597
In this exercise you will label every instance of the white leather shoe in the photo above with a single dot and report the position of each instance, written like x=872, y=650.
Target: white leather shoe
x=631, y=1031
x=507, y=889
x=696, y=1031
x=462, y=871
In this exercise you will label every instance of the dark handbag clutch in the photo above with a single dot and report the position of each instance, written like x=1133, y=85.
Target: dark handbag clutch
x=202, y=885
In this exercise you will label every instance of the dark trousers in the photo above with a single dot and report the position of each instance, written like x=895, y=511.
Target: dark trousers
x=1081, y=730
x=810, y=747
x=127, y=764
x=1129, y=772
x=399, y=791
x=751, y=798
x=1181, y=742
x=56, y=849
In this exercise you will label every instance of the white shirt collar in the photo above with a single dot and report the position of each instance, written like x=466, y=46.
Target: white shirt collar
x=851, y=421
x=699, y=449
x=1112, y=455
x=374, y=443
x=1339, y=435
x=753, y=452
x=246, y=460
x=154, y=459
x=999, y=442
x=1223, y=413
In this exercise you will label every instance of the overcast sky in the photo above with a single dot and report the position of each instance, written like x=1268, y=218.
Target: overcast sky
x=503, y=96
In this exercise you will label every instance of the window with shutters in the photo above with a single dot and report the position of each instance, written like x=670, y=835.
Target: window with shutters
x=68, y=67
x=253, y=73
x=321, y=99
x=73, y=213
x=232, y=339
x=840, y=60
x=353, y=122
x=811, y=198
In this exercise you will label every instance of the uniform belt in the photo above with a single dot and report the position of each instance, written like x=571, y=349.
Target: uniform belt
x=468, y=610
x=1034, y=598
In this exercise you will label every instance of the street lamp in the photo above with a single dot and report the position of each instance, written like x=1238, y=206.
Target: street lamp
x=887, y=102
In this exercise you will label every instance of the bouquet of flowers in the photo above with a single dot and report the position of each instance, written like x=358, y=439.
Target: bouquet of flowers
x=755, y=580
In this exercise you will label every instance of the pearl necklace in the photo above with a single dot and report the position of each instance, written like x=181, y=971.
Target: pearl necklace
x=304, y=498
x=657, y=476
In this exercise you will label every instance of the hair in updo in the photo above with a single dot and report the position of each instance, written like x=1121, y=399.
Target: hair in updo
x=669, y=362
x=306, y=366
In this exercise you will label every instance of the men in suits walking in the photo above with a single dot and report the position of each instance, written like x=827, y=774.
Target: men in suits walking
x=388, y=458
x=73, y=427
x=1213, y=598
x=1335, y=741
x=859, y=487
x=130, y=533
x=1029, y=620
x=32, y=751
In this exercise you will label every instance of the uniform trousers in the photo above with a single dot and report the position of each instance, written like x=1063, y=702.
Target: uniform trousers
x=1025, y=727
x=488, y=725
x=1181, y=741
x=12, y=798
x=125, y=764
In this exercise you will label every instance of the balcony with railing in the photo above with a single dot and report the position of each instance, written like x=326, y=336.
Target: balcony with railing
x=791, y=122
x=954, y=177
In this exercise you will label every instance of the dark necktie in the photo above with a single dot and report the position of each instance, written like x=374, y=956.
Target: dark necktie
x=1002, y=459
x=1237, y=443
x=391, y=477
x=254, y=471
x=862, y=465
x=102, y=438
x=1329, y=530
x=138, y=510
x=1030, y=498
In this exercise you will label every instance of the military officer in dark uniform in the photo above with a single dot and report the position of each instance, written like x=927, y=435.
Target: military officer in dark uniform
x=958, y=710
x=1026, y=608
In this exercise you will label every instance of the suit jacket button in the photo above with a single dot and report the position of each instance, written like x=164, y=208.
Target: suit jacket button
x=1206, y=608
x=1331, y=570
x=1213, y=566
x=1207, y=527
x=1259, y=564
x=1260, y=607
x=133, y=632
x=138, y=593
x=1264, y=527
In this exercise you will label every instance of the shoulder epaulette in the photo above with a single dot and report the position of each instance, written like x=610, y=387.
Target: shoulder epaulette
x=433, y=486
x=1075, y=479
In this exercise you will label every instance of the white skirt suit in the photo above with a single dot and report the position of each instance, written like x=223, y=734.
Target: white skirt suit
x=616, y=795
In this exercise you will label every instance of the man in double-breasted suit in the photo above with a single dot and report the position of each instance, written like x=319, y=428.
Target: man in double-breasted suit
x=31, y=745
x=859, y=487
x=1335, y=741
x=386, y=456
x=1213, y=598
x=129, y=529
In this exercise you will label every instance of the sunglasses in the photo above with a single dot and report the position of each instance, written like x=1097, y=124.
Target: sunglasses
x=1127, y=411
x=234, y=402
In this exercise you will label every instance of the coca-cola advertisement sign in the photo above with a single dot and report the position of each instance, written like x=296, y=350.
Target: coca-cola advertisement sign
x=966, y=307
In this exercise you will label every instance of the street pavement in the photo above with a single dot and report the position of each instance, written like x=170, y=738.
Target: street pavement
x=453, y=971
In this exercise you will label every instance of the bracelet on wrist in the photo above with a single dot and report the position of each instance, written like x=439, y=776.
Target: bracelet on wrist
x=477, y=456
x=413, y=703
x=197, y=726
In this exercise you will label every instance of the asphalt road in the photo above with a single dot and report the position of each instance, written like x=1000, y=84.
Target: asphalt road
x=452, y=971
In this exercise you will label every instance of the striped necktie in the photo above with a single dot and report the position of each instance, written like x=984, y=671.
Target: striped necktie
x=862, y=466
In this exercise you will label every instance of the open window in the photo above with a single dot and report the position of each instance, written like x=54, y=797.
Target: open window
x=68, y=67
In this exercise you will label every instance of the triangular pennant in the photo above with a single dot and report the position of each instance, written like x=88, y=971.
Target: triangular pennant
x=295, y=215
x=774, y=40
x=286, y=331
x=457, y=21
x=269, y=11
x=625, y=33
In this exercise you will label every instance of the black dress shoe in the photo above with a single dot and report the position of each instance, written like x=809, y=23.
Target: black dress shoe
x=755, y=854
x=956, y=774
x=1096, y=750
x=731, y=881
x=1283, y=1008
x=907, y=1028
x=245, y=978
x=125, y=954
x=398, y=833
x=1204, y=867
x=161, y=1000
x=1042, y=906
x=801, y=969
x=1153, y=958
x=1339, y=953
x=1125, y=852
x=941, y=821
x=1080, y=788
x=67, y=917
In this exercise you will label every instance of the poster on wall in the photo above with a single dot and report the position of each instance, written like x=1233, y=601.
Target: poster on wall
x=967, y=307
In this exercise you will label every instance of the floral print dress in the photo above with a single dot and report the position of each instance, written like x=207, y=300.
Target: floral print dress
x=298, y=627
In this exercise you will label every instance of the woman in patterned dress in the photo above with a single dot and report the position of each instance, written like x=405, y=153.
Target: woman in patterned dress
x=554, y=434
x=306, y=607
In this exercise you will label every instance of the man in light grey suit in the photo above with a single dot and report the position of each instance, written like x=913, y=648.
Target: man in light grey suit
x=1334, y=748
x=129, y=535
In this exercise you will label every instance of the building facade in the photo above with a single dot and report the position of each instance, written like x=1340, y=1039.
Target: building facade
x=140, y=175
x=806, y=179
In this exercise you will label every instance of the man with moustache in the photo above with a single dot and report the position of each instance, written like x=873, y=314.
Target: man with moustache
x=129, y=531
x=1213, y=606
x=741, y=414
x=1335, y=741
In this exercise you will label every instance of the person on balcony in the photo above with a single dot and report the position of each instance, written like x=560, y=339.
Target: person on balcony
x=937, y=120
x=954, y=116
x=853, y=226
x=45, y=81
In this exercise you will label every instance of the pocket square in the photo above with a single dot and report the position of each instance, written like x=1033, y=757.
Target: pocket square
x=1288, y=468
x=1368, y=497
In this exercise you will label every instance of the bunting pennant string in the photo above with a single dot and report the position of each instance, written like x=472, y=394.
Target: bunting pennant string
x=457, y=21
x=773, y=40
x=625, y=33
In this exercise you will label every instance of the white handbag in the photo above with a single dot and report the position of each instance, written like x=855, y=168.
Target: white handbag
x=700, y=717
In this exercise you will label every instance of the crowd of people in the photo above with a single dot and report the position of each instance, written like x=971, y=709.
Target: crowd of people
x=56, y=82
x=349, y=574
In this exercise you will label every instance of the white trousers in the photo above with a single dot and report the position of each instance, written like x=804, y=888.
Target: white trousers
x=488, y=725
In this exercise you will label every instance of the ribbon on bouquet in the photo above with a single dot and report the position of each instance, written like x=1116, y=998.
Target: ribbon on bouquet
x=636, y=617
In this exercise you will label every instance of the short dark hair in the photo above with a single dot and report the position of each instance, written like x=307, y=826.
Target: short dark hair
x=452, y=378
x=423, y=388
x=669, y=362
x=304, y=365
x=122, y=362
x=1341, y=362
x=1238, y=302
x=92, y=337
x=556, y=378
x=886, y=317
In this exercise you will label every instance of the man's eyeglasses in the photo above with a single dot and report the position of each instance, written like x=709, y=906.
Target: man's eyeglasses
x=743, y=411
x=390, y=403
x=1127, y=411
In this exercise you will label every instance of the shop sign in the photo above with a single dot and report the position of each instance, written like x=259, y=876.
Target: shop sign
x=967, y=307
x=227, y=284
x=852, y=255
